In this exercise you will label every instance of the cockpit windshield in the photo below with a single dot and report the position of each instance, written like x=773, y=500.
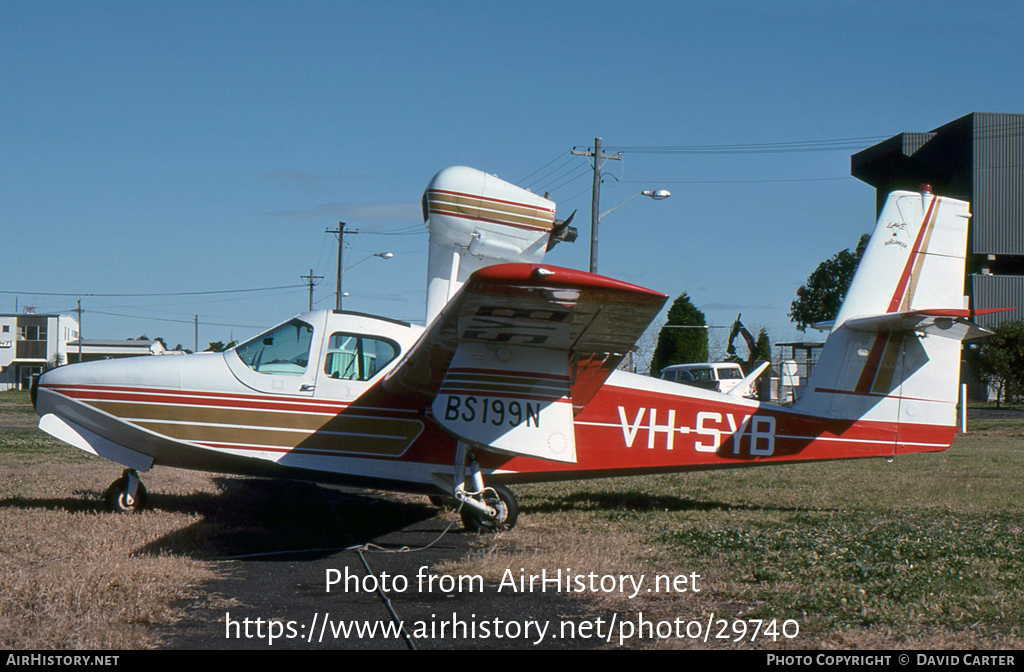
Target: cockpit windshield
x=283, y=350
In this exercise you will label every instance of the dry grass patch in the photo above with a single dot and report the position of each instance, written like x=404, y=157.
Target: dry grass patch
x=924, y=552
x=73, y=576
x=16, y=410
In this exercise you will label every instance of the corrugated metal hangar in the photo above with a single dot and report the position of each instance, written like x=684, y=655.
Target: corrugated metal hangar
x=977, y=158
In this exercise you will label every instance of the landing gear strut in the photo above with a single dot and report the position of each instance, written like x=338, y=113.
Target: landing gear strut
x=485, y=508
x=127, y=494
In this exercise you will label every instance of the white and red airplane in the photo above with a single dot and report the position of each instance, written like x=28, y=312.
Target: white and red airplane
x=514, y=379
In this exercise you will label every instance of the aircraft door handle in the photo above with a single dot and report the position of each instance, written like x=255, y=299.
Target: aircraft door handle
x=307, y=388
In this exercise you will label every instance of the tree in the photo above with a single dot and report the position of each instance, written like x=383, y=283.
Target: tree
x=1001, y=361
x=219, y=346
x=762, y=347
x=681, y=346
x=819, y=300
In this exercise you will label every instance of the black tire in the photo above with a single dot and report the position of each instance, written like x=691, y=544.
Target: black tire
x=500, y=498
x=118, y=491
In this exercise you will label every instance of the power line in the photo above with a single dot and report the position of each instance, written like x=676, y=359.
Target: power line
x=162, y=305
x=541, y=168
x=806, y=179
x=829, y=145
x=415, y=230
x=148, y=294
x=583, y=173
x=550, y=173
x=167, y=319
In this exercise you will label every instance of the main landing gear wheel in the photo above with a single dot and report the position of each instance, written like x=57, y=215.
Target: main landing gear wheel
x=499, y=498
x=118, y=497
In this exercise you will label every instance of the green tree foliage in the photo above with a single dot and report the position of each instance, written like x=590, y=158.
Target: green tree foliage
x=819, y=300
x=220, y=346
x=1001, y=361
x=681, y=346
x=762, y=347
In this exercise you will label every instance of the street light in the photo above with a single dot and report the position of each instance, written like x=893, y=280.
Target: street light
x=654, y=194
x=657, y=195
x=341, y=272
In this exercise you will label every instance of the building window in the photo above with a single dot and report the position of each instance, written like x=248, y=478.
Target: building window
x=32, y=333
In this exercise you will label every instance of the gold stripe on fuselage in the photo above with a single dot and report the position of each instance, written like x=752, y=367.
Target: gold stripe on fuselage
x=343, y=433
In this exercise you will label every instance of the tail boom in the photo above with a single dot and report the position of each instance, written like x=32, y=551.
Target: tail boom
x=886, y=383
x=638, y=425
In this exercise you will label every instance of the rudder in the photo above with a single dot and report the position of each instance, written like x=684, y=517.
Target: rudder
x=894, y=352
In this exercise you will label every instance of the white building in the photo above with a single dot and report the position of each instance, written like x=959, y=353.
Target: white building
x=30, y=343
x=93, y=349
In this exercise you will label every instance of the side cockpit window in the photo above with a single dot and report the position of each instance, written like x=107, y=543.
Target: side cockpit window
x=354, y=357
x=283, y=350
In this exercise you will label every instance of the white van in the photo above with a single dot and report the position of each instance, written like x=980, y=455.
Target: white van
x=718, y=376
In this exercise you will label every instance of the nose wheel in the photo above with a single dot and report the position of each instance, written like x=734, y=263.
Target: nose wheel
x=127, y=494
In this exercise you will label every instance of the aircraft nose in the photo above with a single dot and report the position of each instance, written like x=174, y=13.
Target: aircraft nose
x=152, y=371
x=124, y=379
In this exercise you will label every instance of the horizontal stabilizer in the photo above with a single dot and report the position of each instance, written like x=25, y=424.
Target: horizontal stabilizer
x=746, y=385
x=945, y=322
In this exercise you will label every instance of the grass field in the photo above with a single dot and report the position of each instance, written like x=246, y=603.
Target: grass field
x=924, y=552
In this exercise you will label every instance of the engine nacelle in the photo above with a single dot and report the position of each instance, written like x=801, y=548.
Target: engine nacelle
x=477, y=220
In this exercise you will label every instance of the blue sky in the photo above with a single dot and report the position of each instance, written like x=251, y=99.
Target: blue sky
x=195, y=146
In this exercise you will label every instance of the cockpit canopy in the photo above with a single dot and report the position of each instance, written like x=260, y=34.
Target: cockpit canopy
x=284, y=350
x=293, y=349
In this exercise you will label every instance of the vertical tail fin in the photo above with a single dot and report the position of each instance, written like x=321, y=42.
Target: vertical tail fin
x=894, y=352
x=477, y=220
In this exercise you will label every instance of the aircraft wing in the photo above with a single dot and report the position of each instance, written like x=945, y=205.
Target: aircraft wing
x=519, y=350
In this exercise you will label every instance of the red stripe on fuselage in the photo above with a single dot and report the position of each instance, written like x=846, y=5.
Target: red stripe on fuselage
x=210, y=399
x=602, y=434
x=509, y=373
x=610, y=441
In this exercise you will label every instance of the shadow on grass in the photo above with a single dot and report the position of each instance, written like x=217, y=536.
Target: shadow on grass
x=637, y=501
x=87, y=502
x=267, y=520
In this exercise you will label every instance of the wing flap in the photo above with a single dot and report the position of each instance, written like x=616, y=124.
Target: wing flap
x=512, y=399
x=590, y=317
x=506, y=329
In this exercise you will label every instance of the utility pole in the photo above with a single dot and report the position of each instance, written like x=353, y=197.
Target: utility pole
x=79, y=309
x=340, y=232
x=595, y=199
x=197, y=333
x=311, y=280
